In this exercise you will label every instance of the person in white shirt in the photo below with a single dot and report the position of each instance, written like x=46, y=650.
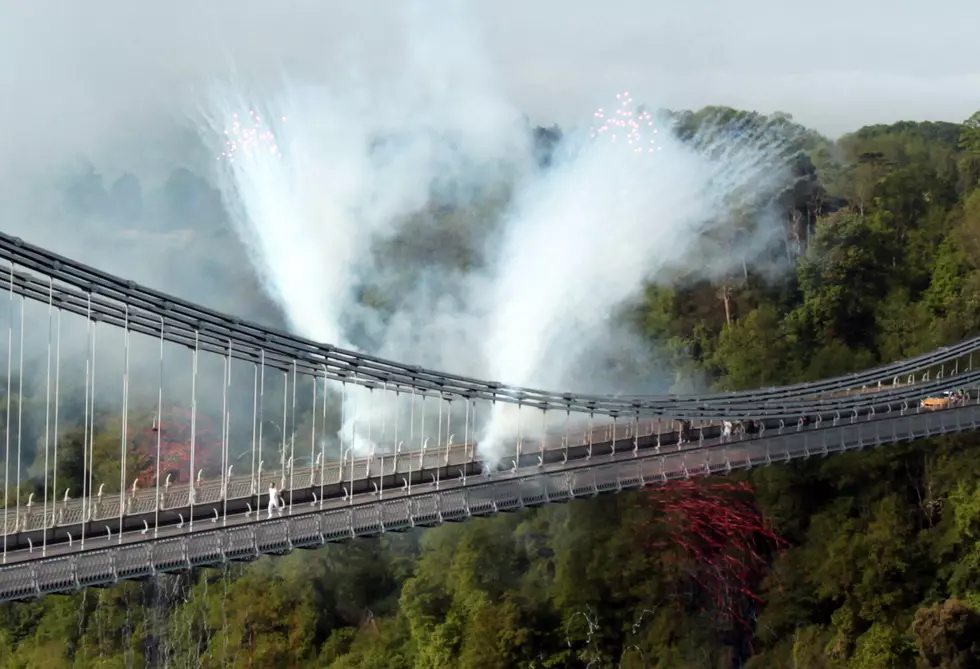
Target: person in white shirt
x=274, y=500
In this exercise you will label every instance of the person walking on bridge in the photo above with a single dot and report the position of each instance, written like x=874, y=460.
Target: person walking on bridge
x=274, y=501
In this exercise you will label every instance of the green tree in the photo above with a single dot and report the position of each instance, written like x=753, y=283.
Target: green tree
x=844, y=273
x=970, y=135
x=749, y=350
x=948, y=636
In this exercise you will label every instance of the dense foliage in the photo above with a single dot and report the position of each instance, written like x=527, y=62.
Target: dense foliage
x=877, y=560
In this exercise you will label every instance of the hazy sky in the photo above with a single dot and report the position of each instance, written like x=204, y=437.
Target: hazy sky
x=75, y=73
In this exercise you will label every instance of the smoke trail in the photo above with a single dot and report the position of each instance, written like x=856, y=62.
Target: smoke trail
x=625, y=202
x=316, y=178
x=284, y=229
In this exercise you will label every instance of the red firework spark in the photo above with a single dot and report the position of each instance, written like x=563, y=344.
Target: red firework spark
x=174, y=432
x=718, y=532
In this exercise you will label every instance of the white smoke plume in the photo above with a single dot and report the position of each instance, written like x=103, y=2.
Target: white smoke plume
x=317, y=178
x=329, y=172
x=615, y=212
x=314, y=177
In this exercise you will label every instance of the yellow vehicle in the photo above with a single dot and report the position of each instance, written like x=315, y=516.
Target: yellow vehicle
x=933, y=403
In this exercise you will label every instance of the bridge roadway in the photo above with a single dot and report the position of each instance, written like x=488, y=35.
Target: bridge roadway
x=433, y=498
x=23, y=527
x=68, y=285
x=246, y=493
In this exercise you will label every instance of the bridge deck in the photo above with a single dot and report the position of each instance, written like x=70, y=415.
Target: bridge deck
x=134, y=555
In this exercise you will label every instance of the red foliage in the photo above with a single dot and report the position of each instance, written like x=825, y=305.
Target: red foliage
x=716, y=531
x=175, y=448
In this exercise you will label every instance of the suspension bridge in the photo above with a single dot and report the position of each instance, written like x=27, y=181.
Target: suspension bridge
x=113, y=469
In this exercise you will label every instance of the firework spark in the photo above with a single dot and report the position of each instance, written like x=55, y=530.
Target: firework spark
x=717, y=529
x=627, y=124
x=248, y=137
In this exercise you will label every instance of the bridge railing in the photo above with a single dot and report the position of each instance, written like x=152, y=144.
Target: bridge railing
x=102, y=508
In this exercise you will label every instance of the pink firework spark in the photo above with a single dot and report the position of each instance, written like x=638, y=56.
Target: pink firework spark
x=249, y=137
x=626, y=124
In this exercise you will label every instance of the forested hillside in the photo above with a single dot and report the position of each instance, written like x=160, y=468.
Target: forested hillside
x=860, y=561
